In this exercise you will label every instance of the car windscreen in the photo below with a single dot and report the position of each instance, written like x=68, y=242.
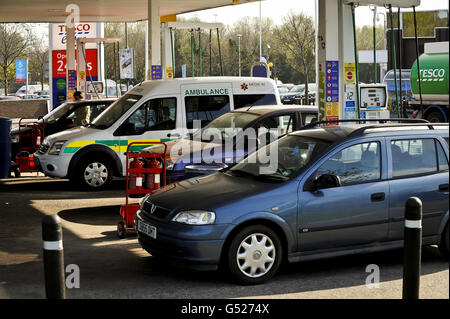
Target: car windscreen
x=226, y=126
x=297, y=89
x=115, y=111
x=57, y=113
x=281, y=160
x=283, y=90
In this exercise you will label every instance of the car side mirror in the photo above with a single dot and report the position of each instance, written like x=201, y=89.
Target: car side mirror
x=325, y=181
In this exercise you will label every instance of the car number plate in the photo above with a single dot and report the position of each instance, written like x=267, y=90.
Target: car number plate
x=147, y=229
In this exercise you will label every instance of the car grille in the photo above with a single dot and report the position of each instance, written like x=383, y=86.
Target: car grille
x=158, y=212
x=43, y=149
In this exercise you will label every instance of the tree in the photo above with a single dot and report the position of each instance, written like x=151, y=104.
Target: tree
x=296, y=36
x=136, y=40
x=37, y=59
x=364, y=41
x=14, y=40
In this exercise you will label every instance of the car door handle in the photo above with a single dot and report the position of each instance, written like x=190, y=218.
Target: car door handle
x=443, y=188
x=377, y=197
x=173, y=135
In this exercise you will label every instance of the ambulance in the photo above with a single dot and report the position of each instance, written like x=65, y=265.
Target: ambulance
x=152, y=111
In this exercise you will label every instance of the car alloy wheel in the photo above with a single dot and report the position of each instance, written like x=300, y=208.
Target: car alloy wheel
x=256, y=255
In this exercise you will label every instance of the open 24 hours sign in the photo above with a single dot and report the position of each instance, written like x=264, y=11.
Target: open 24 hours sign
x=59, y=63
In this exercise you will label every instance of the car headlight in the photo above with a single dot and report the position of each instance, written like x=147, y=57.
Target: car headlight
x=170, y=164
x=56, y=148
x=195, y=217
x=15, y=138
x=143, y=199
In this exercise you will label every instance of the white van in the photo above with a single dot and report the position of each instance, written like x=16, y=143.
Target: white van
x=91, y=155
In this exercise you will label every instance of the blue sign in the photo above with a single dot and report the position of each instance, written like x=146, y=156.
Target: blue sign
x=21, y=70
x=156, y=72
x=260, y=71
x=183, y=70
x=72, y=79
x=332, y=81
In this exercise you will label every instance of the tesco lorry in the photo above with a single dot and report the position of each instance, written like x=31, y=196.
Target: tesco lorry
x=434, y=69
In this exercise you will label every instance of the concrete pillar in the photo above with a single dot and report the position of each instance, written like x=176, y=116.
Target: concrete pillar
x=70, y=49
x=166, y=49
x=335, y=55
x=153, y=36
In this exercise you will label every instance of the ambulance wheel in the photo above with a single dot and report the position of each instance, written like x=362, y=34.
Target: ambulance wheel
x=94, y=173
x=121, y=230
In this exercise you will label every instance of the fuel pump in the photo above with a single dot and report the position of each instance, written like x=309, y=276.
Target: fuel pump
x=373, y=98
x=82, y=69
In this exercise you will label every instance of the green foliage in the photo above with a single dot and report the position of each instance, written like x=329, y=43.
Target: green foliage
x=291, y=48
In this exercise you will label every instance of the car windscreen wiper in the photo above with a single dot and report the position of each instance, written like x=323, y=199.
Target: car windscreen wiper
x=277, y=178
x=238, y=172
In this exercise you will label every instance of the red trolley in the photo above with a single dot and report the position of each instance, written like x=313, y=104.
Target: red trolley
x=31, y=136
x=142, y=177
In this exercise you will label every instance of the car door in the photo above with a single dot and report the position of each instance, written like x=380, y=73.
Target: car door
x=418, y=166
x=355, y=213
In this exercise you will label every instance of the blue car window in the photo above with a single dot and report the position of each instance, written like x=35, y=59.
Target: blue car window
x=443, y=160
x=355, y=164
x=413, y=157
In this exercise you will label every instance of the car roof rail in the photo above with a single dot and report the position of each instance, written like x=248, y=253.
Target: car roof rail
x=380, y=121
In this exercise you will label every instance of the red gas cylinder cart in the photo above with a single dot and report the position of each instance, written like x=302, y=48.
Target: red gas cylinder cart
x=143, y=175
x=31, y=136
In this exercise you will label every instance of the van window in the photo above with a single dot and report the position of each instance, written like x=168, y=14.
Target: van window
x=205, y=108
x=253, y=100
x=153, y=115
x=355, y=164
x=412, y=157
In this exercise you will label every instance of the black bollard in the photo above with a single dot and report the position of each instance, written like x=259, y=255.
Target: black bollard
x=412, y=252
x=53, y=258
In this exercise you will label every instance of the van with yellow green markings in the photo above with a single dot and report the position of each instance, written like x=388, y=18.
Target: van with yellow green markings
x=153, y=111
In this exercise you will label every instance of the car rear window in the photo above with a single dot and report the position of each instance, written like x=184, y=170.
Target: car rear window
x=413, y=157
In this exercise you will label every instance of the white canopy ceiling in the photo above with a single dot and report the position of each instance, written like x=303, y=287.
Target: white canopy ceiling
x=100, y=10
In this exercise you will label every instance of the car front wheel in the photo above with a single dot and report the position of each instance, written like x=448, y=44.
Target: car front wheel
x=94, y=173
x=254, y=255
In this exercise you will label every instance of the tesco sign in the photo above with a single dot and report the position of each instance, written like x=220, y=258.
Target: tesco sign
x=82, y=30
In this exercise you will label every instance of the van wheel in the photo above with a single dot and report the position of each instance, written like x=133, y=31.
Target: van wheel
x=444, y=245
x=94, y=173
x=254, y=255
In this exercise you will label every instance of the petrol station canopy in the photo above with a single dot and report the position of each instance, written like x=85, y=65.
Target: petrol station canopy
x=100, y=10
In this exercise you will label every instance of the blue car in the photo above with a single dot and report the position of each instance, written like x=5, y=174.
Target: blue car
x=334, y=191
x=202, y=155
